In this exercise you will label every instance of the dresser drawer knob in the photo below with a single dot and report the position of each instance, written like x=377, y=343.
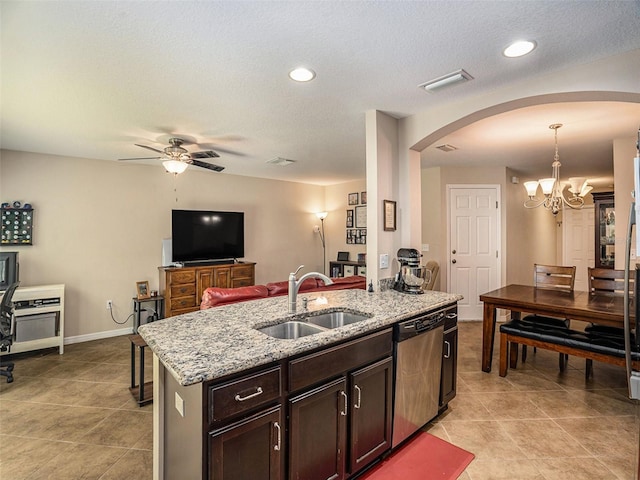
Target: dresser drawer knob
x=253, y=395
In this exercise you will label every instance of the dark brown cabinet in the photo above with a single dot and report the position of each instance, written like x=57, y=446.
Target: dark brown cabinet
x=449, y=370
x=605, y=222
x=370, y=413
x=317, y=432
x=248, y=449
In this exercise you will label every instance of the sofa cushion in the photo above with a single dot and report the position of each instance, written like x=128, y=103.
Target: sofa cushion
x=214, y=296
x=282, y=288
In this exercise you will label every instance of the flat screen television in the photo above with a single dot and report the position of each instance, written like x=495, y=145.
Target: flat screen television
x=8, y=269
x=200, y=236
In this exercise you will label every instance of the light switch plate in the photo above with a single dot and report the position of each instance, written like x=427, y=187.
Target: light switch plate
x=384, y=260
x=425, y=247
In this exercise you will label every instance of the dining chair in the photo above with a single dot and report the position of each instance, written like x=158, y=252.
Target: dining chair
x=605, y=281
x=7, y=330
x=551, y=277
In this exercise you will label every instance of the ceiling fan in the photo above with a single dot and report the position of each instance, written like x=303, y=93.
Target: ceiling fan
x=176, y=158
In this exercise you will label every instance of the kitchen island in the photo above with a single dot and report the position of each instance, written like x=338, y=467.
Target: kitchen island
x=216, y=377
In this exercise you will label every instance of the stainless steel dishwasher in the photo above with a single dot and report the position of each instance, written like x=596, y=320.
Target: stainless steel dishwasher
x=418, y=363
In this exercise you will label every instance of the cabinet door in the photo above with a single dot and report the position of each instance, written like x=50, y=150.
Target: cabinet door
x=204, y=280
x=370, y=413
x=449, y=367
x=222, y=277
x=249, y=449
x=317, y=433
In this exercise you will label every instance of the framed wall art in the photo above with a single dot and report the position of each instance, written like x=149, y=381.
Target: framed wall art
x=350, y=218
x=361, y=217
x=389, y=212
x=353, y=198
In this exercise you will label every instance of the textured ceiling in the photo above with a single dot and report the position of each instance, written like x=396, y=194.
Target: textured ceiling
x=90, y=79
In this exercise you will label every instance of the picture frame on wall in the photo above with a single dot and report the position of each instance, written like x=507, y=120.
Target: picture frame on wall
x=350, y=218
x=361, y=217
x=142, y=290
x=353, y=198
x=363, y=198
x=389, y=212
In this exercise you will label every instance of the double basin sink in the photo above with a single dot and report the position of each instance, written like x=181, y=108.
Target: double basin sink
x=312, y=323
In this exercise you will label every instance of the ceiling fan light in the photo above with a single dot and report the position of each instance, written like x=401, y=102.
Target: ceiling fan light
x=532, y=188
x=174, y=166
x=547, y=185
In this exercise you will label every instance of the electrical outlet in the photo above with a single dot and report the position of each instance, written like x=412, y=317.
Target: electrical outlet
x=384, y=260
x=109, y=304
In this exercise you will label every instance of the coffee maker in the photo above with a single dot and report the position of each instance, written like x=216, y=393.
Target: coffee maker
x=412, y=276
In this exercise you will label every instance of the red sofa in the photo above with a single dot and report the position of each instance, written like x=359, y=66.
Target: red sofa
x=214, y=297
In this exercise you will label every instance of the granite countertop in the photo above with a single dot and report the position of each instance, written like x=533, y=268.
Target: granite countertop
x=208, y=344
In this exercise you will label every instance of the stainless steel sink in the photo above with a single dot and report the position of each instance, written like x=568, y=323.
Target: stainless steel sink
x=291, y=330
x=336, y=319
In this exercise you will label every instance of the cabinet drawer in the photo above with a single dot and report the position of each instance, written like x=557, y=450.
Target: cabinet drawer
x=180, y=276
x=244, y=394
x=320, y=366
x=241, y=282
x=243, y=271
x=182, y=290
x=183, y=302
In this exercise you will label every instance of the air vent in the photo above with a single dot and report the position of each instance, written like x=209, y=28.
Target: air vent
x=281, y=162
x=446, y=81
x=447, y=148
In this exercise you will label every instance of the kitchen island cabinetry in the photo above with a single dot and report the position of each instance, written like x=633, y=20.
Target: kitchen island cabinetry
x=345, y=422
x=250, y=448
x=233, y=402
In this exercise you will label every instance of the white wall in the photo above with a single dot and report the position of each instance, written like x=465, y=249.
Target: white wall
x=98, y=226
x=624, y=150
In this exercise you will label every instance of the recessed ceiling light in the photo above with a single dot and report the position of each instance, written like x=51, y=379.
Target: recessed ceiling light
x=519, y=48
x=302, y=74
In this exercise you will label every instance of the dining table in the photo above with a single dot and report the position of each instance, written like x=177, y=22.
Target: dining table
x=601, y=308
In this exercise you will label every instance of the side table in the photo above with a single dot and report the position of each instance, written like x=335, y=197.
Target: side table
x=158, y=308
x=143, y=392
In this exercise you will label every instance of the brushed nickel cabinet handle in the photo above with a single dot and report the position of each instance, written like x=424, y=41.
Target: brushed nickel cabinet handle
x=344, y=395
x=357, y=405
x=242, y=399
x=448, y=345
x=277, y=427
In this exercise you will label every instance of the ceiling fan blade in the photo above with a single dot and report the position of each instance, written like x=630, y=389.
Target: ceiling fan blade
x=222, y=149
x=138, y=158
x=210, y=166
x=149, y=148
x=204, y=154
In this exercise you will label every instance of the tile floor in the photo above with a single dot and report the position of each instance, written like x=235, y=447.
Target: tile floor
x=72, y=417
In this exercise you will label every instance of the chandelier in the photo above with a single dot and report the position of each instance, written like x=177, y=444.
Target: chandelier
x=553, y=189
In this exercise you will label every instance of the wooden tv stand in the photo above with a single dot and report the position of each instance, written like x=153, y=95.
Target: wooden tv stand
x=183, y=287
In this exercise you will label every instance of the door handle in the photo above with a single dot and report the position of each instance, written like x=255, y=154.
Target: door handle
x=453, y=261
x=453, y=251
x=448, y=345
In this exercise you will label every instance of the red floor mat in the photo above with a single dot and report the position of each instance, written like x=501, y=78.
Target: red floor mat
x=425, y=457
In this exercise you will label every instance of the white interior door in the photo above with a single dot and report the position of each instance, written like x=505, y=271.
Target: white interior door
x=578, y=244
x=474, y=256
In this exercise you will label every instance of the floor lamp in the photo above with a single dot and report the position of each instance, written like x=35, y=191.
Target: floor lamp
x=320, y=230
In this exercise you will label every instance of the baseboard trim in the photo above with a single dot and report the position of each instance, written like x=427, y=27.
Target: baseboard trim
x=97, y=336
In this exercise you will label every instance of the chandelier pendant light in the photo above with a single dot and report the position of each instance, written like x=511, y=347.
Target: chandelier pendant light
x=553, y=189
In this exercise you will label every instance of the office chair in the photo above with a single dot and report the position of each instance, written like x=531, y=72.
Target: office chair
x=6, y=330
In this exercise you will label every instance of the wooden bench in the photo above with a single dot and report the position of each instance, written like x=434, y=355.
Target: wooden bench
x=597, y=346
